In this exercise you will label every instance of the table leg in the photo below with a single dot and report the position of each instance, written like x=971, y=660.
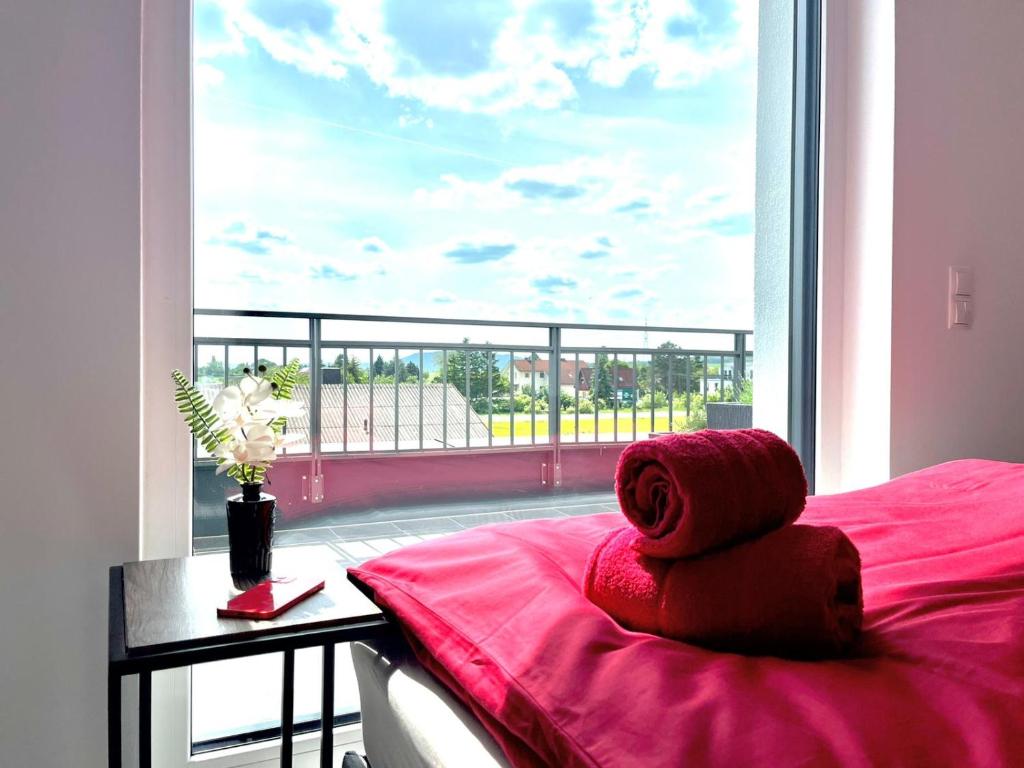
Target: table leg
x=113, y=719
x=287, y=708
x=327, y=709
x=145, y=719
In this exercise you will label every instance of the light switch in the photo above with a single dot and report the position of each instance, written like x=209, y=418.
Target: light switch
x=961, y=297
x=962, y=312
x=961, y=281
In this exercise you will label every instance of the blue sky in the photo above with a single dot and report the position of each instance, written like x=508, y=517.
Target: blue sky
x=575, y=160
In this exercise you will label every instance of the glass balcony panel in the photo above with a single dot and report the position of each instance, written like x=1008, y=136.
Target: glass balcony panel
x=429, y=333
x=240, y=357
x=243, y=327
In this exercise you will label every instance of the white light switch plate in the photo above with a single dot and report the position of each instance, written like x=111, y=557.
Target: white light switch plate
x=962, y=312
x=961, y=281
x=961, y=297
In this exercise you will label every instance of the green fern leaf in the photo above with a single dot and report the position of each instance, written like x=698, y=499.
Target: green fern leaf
x=198, y=414
x=285, y=378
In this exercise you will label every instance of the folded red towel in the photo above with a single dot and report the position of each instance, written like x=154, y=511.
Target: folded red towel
x=795, y=592
x=692, y=493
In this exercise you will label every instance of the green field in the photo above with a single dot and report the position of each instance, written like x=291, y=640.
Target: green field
x=605, y=423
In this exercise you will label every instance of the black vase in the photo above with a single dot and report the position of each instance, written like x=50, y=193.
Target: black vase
x=250, y=535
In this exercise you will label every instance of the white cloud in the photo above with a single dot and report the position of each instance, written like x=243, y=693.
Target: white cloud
x=525, y=64
x=238, y=260
x=637, y=37
x=443, y=297
x=206, y=76
x=408, y=120
x=602, y=184
x=373, y=245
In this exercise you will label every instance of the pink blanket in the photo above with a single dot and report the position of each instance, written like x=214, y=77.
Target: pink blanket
x=937, y=680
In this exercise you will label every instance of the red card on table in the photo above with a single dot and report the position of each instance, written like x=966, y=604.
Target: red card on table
x=270, y=598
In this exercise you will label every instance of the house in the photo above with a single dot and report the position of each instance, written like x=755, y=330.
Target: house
x=624, y=381
x=523, y=374
x=920, y=171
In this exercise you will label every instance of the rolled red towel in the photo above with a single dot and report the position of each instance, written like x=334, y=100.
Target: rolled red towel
x=692, y=493
x=795, y=592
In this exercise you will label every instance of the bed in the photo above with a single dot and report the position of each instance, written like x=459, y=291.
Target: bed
x=511, y=657
x=410, y=720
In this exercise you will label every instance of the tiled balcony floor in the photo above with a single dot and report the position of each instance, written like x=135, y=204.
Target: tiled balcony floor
x=359, y=536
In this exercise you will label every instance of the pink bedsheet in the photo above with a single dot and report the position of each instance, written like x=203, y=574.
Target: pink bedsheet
x=938, y=680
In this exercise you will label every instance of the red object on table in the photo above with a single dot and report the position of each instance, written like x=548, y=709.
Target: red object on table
x=270, y=598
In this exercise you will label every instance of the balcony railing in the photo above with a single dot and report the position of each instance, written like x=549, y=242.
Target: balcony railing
x=514, y=386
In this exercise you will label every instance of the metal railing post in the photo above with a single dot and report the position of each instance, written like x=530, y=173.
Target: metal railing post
x=398, y=415
x=444, y=398
x=344, y=401
x=469, y=392
x=371, y=428
x=740, y=366
x=421, y=375
x=555, y=403
x=670, y=389
x=316, y=477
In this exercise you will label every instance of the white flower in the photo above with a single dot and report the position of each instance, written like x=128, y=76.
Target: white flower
x=247, y=394
x=256, y=446
x=288, y=439
x=228, y=403
x=246, y=411
x=259, y=434
x=272, y=408
x=255, y=390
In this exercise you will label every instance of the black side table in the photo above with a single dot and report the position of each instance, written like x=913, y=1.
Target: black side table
x=163, y=614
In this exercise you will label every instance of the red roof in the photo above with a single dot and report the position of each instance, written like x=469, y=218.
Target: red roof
x=624, y=377
x=568, y=369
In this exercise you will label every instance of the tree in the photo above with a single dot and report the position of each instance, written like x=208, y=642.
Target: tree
x=609, y=377
x=678, y=360
x=476, y=360
x=354, y=372
x=213, y=370
x=378, y=366
x=411, y=370
x=601, y=378
x=565, y=400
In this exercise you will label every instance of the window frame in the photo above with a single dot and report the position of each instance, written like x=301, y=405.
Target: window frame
x=166, y=471
x=804, y=233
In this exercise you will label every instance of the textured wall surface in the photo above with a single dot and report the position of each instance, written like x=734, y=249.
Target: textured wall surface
x=69, y=333
x=958, y=167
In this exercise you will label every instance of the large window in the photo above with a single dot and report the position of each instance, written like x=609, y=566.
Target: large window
x=564, y=160
x=503, y=239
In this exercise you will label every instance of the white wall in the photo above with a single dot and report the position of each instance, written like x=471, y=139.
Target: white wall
x=857, y=216
x=924, y=118
x=69, y=393
x=959, y=176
